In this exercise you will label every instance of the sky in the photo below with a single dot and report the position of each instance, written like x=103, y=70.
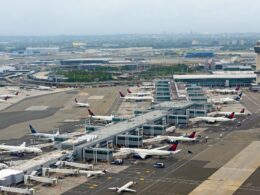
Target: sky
x=101, y=17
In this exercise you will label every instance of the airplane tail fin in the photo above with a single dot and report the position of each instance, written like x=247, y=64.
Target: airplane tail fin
x=121, y=94
x=240, y=95
x=232, y=115
x=57, y=132
x=243, y=110
x=6, y=98
x=174, y=146
x=23, y=144
x=91, y=113
x=76, y=100
x=138, y=85
x=16, y=93
x=33, y=130
x=128, y=90
x=192, y=135
x=237, y=88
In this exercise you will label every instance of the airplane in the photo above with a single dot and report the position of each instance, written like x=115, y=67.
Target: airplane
x=20, y=149
x=8, y=96
x=3, y=166
x=49, y=136
x=226, y=91
x=80, y=104
x=160, y=138
x=139, y=93
x=44, y=88
x=4, y=99
x=136, y=98
x=143, y=153
x=210, y=119
x=124, y=188
x=100, y=118
x=227, y=100
x=241, y=113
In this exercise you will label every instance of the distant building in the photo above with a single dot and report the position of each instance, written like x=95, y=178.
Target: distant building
x=199, y=54
x=41, y=50
x=84, y=61
x=227, y=80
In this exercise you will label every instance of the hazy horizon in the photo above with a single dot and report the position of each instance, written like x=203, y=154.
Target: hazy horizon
x=112, y=17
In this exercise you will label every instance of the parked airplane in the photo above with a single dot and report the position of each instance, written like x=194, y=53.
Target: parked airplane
x=139, y=93
x=48, y=136
x=210, y=119
x=4, y=99
x=100, y=118
x=3, y=166
x=160, y=138
x=20, y=149
x=227, y=91
x=136, y=98
x=227, y=100
x=241, y=113
x=8, y=96
x=80, y=104
x=124, y=188
x=44, y=88
x=143, y=153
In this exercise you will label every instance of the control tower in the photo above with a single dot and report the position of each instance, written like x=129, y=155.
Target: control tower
x=257, y=51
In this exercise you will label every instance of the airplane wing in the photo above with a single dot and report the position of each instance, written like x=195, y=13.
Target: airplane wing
x=113, y=188
x=129, y=190
x=176, y=151
x=159, y=148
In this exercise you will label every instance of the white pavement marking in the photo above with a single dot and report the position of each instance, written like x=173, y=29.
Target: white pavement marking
x=37, y=108
x=96, y=97
x=233, y=174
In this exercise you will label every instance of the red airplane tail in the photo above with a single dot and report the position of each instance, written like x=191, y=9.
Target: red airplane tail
x=76, y=100
x=173, y=146
x=242, y=111
x=237, y=88
x=128, y=90
x=121, y=94
x=192, y=135
x=232, y=115
x=91, y=113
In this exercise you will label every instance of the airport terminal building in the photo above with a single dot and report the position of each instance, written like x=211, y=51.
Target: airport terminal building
x=220, y=80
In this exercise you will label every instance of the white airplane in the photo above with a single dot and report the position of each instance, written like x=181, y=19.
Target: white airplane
x=143, y=153
x=124, y=188
x=44, y=88
x=100, y=118
x=3, y=166
x=20, y=149
x=80, y=104
x=210, y=119
x=226, y=91
x=136, y=98
x=182, y=138
x=145, y=87
x=48, y=136
x=139, y=94
x=227, y=100
x=241, y=113
x=8, y=96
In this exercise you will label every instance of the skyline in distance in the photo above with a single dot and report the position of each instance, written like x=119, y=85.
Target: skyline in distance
x=105, y=17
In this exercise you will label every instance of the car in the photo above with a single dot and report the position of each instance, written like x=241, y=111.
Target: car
x=117, y=162
x=159, y=165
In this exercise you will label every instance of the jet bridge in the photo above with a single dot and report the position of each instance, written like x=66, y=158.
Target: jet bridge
x=47, y=171
x=5, y=189
x=77, y=165
x=29, y=178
